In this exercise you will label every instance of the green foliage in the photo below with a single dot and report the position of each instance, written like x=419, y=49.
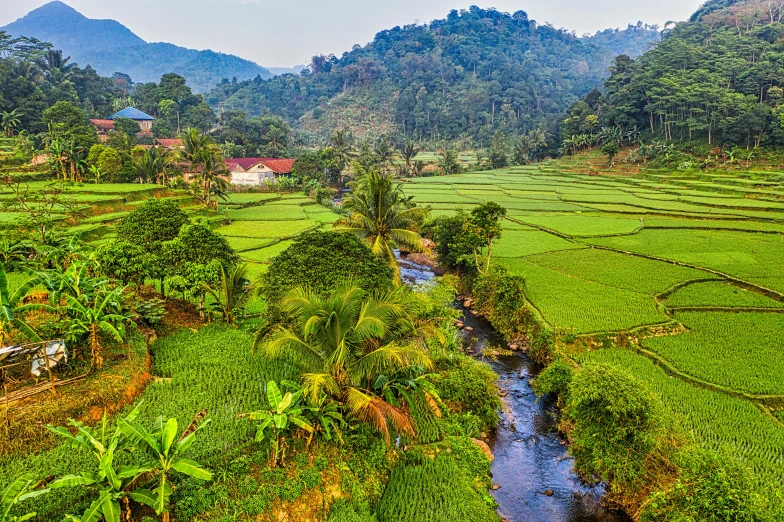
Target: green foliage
x=322, y=260
x=126, y=126
x=554, y=379
x=151, y=224
x=542, y=347
x=710, y=486
x=126, y=262
x=468, y=386
x=20, y=489
x=621, y=432
x=502, y=298
x=438, y=488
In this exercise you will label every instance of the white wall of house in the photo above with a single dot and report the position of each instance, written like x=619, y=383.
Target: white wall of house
x=256, y=176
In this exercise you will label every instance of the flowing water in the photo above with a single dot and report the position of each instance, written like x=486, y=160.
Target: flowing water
x=532, y=465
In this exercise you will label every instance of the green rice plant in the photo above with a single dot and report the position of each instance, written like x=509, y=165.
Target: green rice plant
x=520, y=243
x=717, y=420
x=586, y=225
x=739, y=351
x=574, y=305
x=244, y=199
x=243, y=244
x=265, y=255
x=268, y=212
x=751, y=257
x=267, y=229
x=636, y=274
x=719, y=294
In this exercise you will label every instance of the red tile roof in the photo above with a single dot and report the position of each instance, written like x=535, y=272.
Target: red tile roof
x=104, y=125
x=170, y=143
x=276, y=165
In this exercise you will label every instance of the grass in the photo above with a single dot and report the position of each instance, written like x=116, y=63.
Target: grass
x=520, y=243
x=268, y=212
x=267, y=229
x=719, y=294
x=740, y=351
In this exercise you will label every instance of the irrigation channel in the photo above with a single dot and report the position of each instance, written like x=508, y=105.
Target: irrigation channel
x=532, y=465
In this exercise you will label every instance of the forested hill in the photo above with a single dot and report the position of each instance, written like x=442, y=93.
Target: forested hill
x=468, y=75
x=717, y=79
x=109, y=47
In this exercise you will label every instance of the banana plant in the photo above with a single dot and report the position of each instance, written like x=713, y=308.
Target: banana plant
x=111, y=484
x=282, y=412
x=20, y=489
x=164, y=450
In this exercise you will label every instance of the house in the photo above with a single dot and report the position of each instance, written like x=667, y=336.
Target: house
x=103, y=127
x=257, y=171
x=164, y=143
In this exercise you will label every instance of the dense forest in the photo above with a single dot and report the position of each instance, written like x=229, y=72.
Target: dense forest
x=716, y=79
x=467, y=76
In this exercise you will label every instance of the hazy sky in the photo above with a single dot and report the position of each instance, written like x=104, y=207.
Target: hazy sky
x=289, y=32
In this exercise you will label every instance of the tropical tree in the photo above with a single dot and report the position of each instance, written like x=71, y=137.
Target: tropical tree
x=277, y=141
x=280, y=413
x=97, y=313
x=345, y=343
x=20, y=489
x=481, y=230
x=377, y=213
x=13, y=252
x=233, y=292
x=409, y=153
x=10, y=122
x=341, y=149
x=112, y=485
x=11, y=309
x=448, y=163
x=165, y=450
x=150, y=166
x=385, y=153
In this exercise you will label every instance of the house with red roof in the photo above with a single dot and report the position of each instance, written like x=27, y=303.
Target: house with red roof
x=257, y=171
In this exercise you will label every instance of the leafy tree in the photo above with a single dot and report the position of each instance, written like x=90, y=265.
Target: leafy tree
x=482, y=229
x=110, y=163
x=345, y=343
x=611, y=150
x=378, y=214
x=20, y=489
x=70, y=123
x=385, y=153
x=309, y=166
x=127, y=126
x=321, y=261
x=499, y=152
x=126, y=262
x=151, y=224
x=281, y=414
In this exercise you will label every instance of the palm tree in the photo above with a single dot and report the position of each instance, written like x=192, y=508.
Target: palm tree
x=378, y=214
x=276, y=141
x=11, y=309
x=150, y=165
x=345, y=343
x=341, y=149
x=233, y=293
x=210, y=161
x=20, y=489
x=9, y=121
x=193, y=143
x=385, y=153
x=409, y=153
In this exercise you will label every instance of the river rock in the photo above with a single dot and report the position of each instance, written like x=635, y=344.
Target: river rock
x=496, y=487
x=513, y=346
x=482, y=445
x=469, y=329
x=548, y=492
x=468, y=303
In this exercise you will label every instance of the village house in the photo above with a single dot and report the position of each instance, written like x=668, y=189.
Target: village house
x=103, y=127
x=257, y=171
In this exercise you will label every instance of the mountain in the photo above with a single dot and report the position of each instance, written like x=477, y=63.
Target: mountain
x=110, y=47
x=278, y=71
x=469, y=75
x=716, y=80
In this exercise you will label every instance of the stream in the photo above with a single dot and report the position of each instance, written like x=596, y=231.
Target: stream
x=532, y=465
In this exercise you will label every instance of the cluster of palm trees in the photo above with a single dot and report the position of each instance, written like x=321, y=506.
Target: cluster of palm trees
x=205, y=160
x=530, y=144
x=68, y=158
x=617, y=135
x=10, y=122
x=383, y=154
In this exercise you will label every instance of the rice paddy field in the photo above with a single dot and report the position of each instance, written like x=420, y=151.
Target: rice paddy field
x=700, y=255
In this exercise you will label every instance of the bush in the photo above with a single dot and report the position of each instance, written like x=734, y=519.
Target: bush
x=152, y=223
x=466, y=385
x=710, y=487
x=343, y=511
x=621, y=433
x=554, y=379
x=542, y=347
x=322, y=261
x=501, y=298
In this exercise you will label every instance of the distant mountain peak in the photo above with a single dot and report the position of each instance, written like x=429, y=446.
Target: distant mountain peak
x=108, y=46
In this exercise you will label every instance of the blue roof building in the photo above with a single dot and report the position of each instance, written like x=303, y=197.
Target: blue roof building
x=132, y=114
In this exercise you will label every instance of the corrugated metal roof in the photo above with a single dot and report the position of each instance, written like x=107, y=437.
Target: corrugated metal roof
x=131, y=113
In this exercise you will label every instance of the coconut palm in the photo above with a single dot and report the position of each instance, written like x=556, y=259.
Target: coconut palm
x=344, y=343
x=377, y=213
x=341, y=149
x=9, y=121
x=211, y=166
x=276, y=141
x=385, y=153
x=409, y=153
x=233, y=292
x=150, y=165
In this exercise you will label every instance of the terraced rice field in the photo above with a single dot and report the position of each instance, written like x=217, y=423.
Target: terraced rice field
x=703, y=254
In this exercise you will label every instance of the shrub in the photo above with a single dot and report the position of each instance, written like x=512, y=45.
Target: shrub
x=542, y=347
x=501, y=298
x=466, y=385
x=621, y=433
x=152, y=223
x=554, y=379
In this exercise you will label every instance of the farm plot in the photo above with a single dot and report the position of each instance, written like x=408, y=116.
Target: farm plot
x=268, y=212
x=581, y=225
x=267, y=229
x=520, y=243
x=631, y=273
x=740, y=351
x=717, y=420
x=575, y=305
x=719, y=294
x=751, y=257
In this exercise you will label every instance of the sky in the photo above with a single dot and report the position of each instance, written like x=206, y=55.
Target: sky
x=281, y=33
